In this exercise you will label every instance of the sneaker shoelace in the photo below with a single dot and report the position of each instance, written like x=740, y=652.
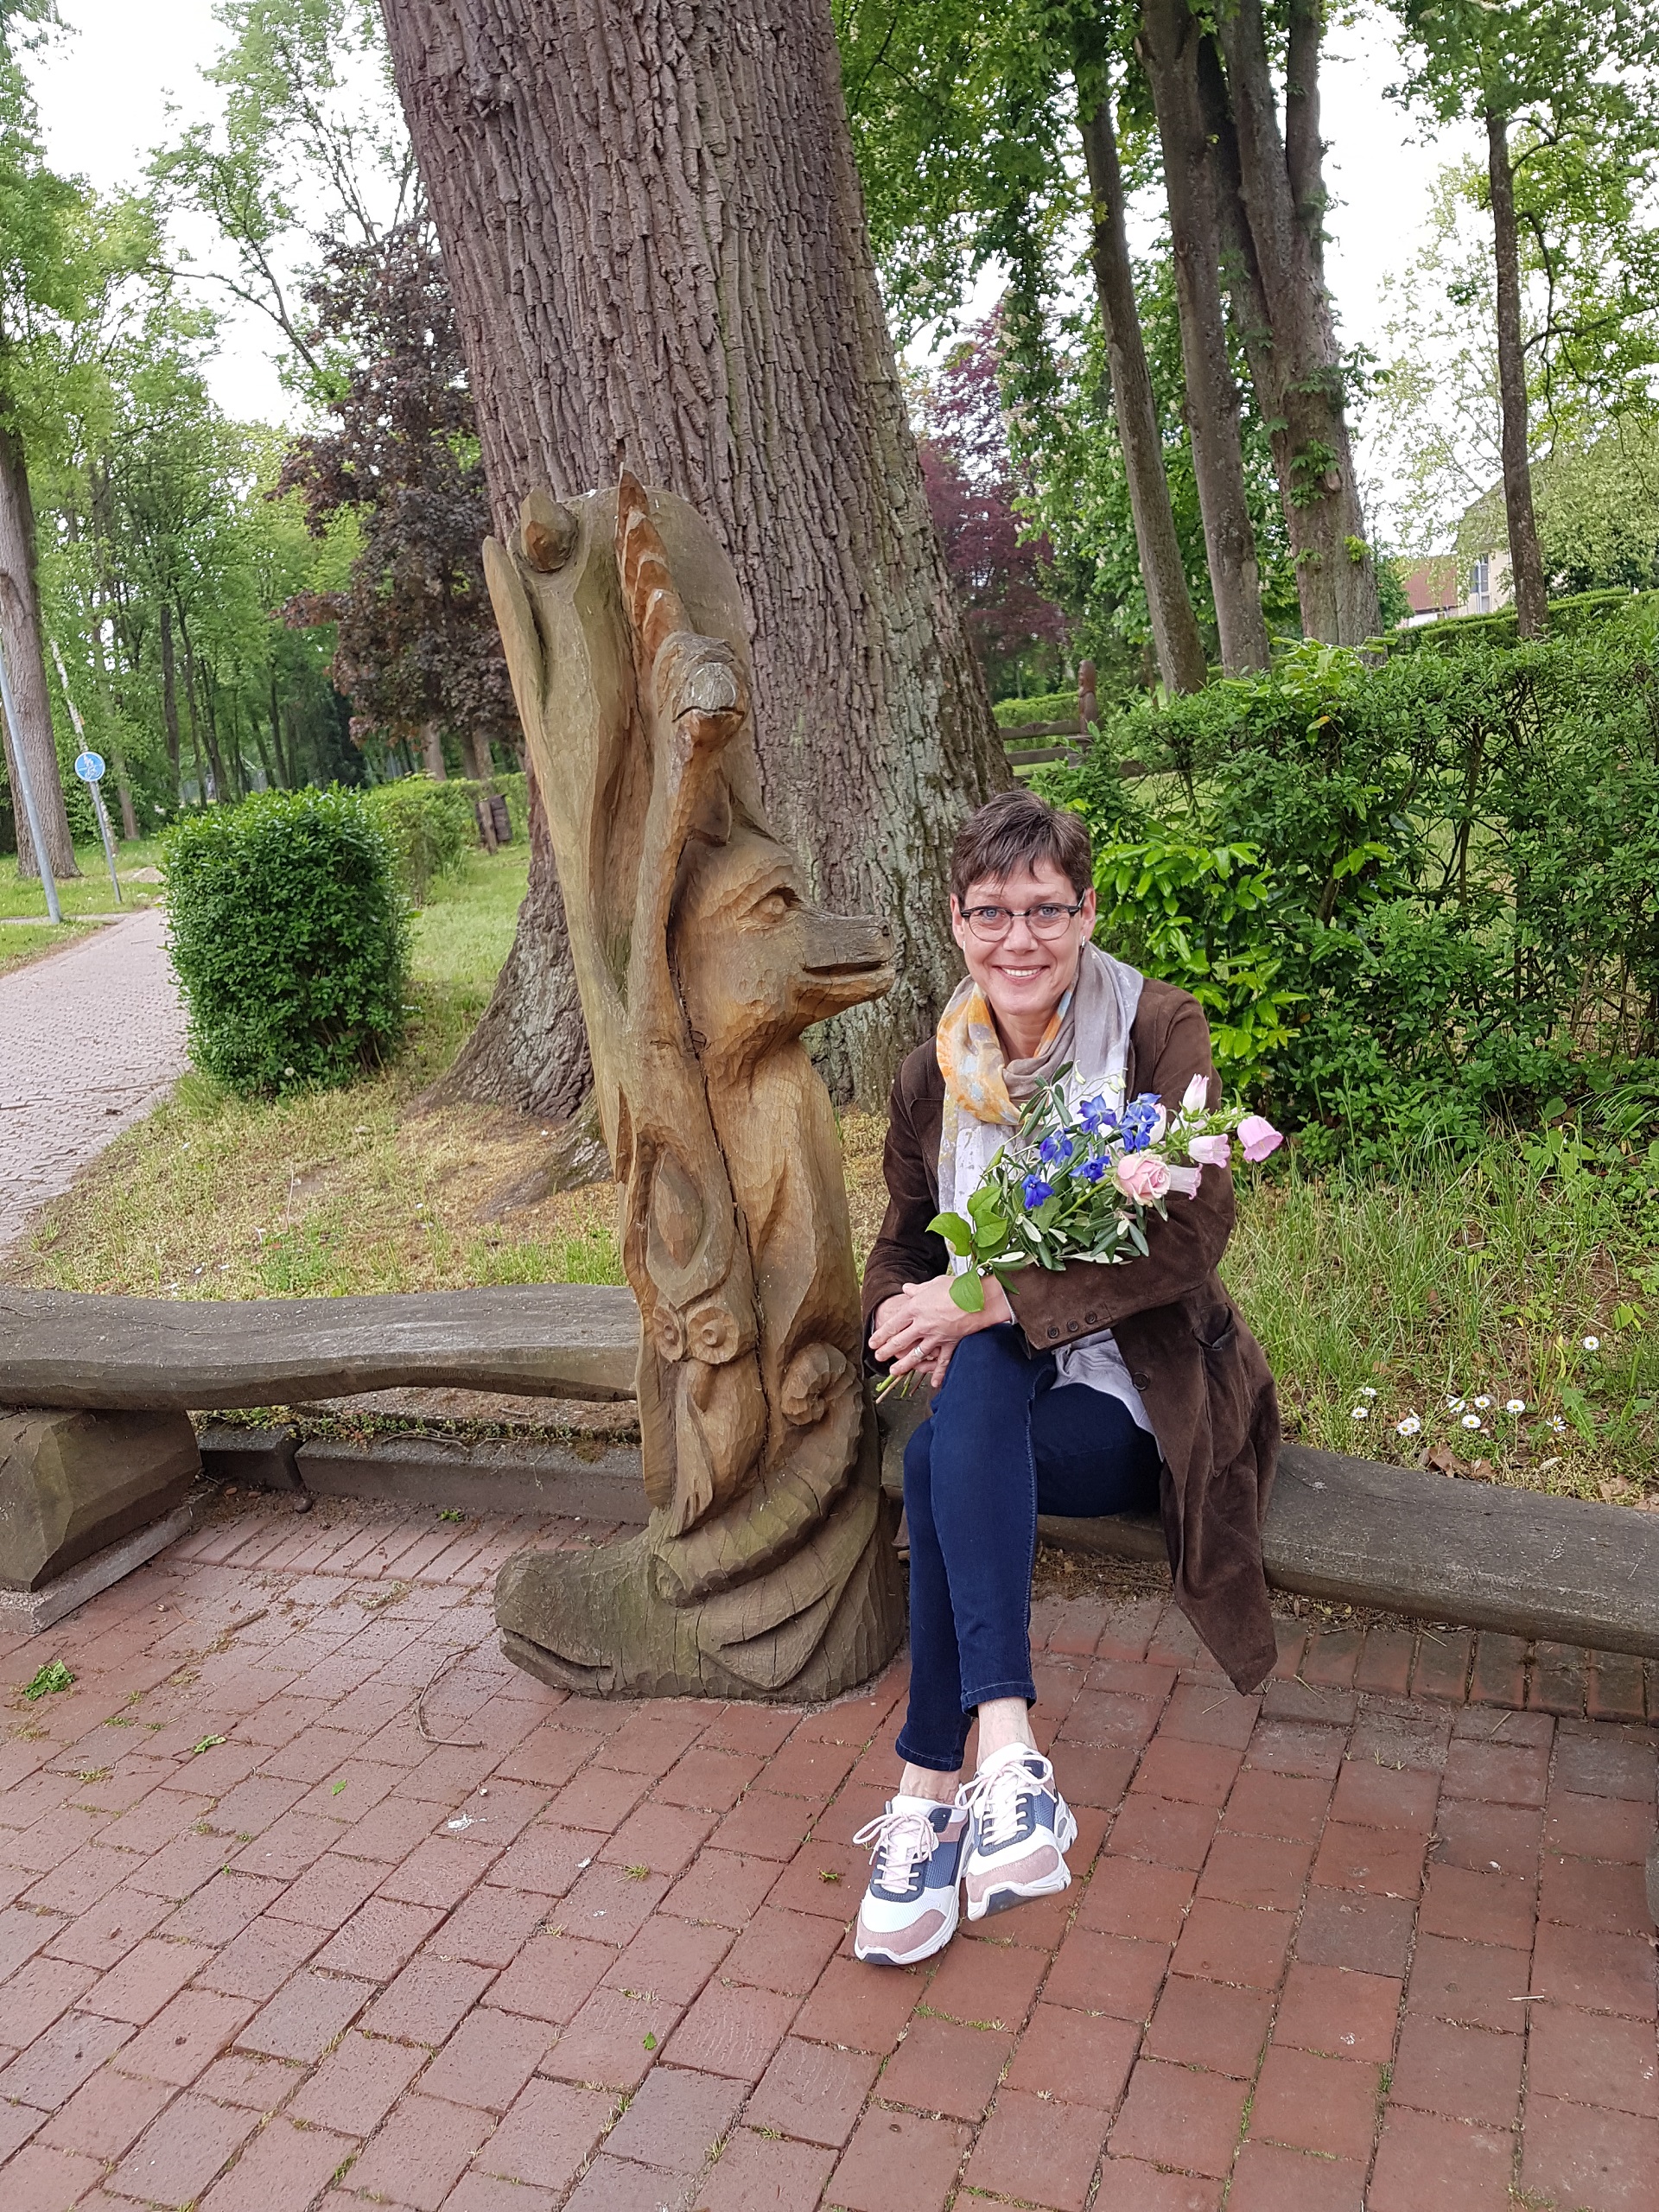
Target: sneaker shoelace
x=901, y=1841
x=995, y=1801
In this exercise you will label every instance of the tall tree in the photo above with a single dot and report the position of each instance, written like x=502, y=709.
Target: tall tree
x=655, y=234
x=1169, y=603
x=308, y=153
x=968, y=122
x=417, y=652
x=1532, y=74
x=1172, y=46
x=43, y=278
x=1017, y=631
x=1272, y=195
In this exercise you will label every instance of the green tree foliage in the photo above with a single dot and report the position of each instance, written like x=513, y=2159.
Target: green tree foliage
x=1563, y=91
x=166, y=567
x=1066, y=446
x=290, y=940
x=309, y=150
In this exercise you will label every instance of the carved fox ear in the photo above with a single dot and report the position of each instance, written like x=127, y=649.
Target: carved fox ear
x=519, y=639
x=649, y=592
x=547, y=532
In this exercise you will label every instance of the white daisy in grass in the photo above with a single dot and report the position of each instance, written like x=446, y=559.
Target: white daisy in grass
x=1593, y=1343
x=1409, y=1426
x=1471, y=1420
x=1515, y=1405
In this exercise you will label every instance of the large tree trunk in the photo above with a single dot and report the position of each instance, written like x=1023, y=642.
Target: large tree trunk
x=1169, y=604
x=20, y=634
x=1169, y=41
x=1526, y=562
x=171, y=702
x=654, y=230
x=432, y=750
x=1298, y=369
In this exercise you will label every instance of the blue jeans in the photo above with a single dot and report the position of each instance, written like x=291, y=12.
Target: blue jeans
x=1002, y=1445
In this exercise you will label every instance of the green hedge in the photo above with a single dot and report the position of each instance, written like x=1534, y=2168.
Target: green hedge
x=290, y=936
x=1048, y=706
x=1575, y=616
x=1415, y=898
x=429, y=825
x=432, y=825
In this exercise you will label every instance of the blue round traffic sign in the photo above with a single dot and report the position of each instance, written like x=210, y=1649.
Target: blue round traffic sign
x=89, y=767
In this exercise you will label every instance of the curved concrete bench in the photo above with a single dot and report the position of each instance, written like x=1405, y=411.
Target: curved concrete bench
x=1408, y=1541
x=1398, y=1538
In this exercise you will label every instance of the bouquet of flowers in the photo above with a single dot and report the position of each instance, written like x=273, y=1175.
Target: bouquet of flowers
x=1065, y=1189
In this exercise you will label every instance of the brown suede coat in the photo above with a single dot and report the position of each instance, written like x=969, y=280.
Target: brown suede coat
x=1201, y=1373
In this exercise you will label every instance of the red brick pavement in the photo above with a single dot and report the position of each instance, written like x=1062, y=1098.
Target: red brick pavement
x=307, y=1899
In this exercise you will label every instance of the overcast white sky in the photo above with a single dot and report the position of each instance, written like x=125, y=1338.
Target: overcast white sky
x=104, y=90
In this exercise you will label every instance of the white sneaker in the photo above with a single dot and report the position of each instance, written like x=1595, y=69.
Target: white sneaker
x=910, y=1909
x=1020, y=1829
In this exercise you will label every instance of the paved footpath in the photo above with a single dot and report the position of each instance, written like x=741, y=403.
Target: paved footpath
x=90, y=1038
x=311, y=1900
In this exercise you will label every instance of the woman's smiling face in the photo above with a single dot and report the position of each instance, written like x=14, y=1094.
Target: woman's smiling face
x=1023, y=975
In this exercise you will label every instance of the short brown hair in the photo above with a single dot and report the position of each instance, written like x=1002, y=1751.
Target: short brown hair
x=1018, y=829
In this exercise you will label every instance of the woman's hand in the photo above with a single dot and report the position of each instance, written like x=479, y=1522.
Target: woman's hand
x=918, y=1328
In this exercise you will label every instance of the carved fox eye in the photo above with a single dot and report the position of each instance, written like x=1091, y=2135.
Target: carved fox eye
x=778, y=902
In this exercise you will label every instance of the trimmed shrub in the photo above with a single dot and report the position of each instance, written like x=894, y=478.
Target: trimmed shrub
x=514, y=787
x=290, y=936
x=1046, y=707
x=431, y=825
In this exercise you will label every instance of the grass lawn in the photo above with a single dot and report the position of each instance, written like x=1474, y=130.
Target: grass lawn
x=1477, y=1282
x=25, y=932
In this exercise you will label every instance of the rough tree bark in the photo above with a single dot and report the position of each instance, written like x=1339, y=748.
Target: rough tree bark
x=1169, y=603
x=20, y=634
x=432, y=751
x=170, y=701
x=1526, y=562
x=1294, y=361
x=654, y=229
x=1169, y=44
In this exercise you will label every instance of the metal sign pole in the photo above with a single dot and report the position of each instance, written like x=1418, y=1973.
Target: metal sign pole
x=93, y=783
x=26, y=792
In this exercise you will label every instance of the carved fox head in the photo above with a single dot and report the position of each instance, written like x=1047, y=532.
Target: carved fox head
x=757, y=964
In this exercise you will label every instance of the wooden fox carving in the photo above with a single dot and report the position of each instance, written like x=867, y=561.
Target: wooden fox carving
x=767, y=1567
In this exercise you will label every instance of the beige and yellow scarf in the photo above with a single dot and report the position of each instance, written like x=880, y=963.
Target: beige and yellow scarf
x=984, y=1091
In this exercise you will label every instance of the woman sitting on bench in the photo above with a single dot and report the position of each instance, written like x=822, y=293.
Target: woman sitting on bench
x=1092, y=1390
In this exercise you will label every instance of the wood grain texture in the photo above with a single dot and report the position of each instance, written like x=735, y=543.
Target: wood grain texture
x=61, y=1348
x=768, y=1567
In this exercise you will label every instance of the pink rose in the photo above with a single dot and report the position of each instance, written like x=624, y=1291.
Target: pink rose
x=1258, y=1136
x=1212, y=1151
x=1141, y=1176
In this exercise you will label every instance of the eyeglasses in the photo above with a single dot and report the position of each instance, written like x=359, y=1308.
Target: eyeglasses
x=991, y=923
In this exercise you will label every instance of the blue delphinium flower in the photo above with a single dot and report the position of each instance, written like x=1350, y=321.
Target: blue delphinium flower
x=1058, y=1148
x=1140, y=1119
x=1097, y=1115
x=1092, y=1170
x=1035, y=1190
